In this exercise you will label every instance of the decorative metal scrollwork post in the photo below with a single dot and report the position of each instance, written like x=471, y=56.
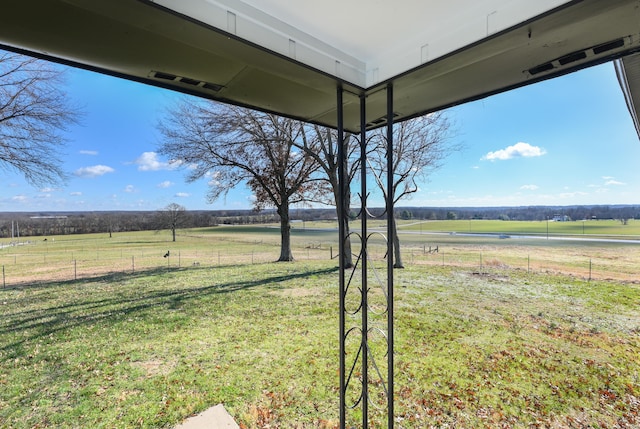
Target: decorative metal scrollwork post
x=366, y=296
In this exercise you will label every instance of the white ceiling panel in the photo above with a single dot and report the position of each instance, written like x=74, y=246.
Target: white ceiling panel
x=373, y=40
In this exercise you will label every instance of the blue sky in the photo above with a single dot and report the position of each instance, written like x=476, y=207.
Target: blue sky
x=561, y=142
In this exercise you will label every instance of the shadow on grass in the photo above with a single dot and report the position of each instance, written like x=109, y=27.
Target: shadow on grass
x=79, y=310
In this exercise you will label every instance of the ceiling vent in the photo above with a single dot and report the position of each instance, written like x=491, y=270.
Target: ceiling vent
x=577, y=56
x=185, y=81
x=380, y=121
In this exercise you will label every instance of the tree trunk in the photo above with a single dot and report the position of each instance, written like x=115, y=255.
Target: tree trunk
x=173, y=231
x=285, y=234
x=397, y=256
x=347, y=255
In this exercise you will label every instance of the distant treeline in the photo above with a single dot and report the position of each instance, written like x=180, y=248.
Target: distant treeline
x=62, y=223
x=622, y=212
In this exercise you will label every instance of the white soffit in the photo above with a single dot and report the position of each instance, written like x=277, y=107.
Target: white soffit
x=362, y=41
x=290, y=56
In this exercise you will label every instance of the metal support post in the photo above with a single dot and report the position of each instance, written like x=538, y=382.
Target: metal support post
x=391, y=232
x=342, y=179
x=364, y=262
x=366, y=295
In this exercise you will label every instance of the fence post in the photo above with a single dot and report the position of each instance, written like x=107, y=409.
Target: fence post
x=133, y=264
x=4, y=283
x=528, y=263
x=75, y=270
x=589, y=269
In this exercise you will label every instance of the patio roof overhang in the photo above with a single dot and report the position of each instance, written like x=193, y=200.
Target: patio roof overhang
x=289, y=57
x=628, y=71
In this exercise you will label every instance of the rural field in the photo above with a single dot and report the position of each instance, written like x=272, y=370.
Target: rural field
x=107, y=332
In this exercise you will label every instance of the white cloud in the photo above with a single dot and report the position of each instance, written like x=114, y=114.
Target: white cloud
x=130, y=189
x=614, y=182
x=149, y=161
x=48, y=190
x=518, y=150
x=19, y=198
x=529, y=187
x=93, y=171
x=165, y=184
x=183, y=195
x=608, y=181
x=89, y=152
x=75, y=194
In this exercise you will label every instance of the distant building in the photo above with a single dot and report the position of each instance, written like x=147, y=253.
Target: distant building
x=561, y=218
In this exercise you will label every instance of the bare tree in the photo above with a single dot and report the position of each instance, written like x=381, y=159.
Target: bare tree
x=34, y=112
x=231, y=145
x=173, y=216
x=321, y=144
x=420, y=146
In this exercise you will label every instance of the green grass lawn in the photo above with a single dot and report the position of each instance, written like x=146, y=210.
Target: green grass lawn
x=482, y=344
x=148, y=349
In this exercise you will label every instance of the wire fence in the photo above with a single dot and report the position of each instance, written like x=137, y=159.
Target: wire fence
x=584, y=266
x=21, y=268
x=23, y=265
